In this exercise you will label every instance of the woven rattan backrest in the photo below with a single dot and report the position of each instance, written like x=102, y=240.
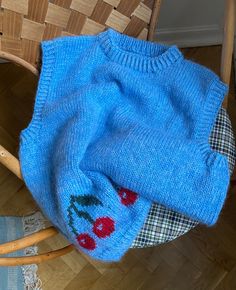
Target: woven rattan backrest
x=24, y=23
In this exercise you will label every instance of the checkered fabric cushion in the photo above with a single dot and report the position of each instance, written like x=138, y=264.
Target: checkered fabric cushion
x=163, y=225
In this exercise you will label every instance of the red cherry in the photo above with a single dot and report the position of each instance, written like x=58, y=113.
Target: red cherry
x=127, y=196
x=103, y=227
x=86, y=241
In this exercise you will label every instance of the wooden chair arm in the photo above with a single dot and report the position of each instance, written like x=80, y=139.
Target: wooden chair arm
x=16, y=261
x=19, y=61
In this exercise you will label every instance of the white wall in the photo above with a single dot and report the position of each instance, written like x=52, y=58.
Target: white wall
x=191, y=22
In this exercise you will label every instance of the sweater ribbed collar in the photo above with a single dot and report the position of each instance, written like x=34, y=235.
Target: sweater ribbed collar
x=138, y=54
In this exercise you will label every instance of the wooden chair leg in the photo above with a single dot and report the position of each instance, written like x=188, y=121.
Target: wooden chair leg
x=27, y=241
x=10, y=161
x=154, y=18
x=16, y=261
x=228, y=43
x=34, y=238
x=233, y=178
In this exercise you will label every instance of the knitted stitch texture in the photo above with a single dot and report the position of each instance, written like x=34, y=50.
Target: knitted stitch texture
x=120, y=123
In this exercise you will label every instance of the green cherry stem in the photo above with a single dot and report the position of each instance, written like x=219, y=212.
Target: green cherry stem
x=82, y=214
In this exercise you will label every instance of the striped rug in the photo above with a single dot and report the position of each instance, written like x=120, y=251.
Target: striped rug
x=22, y=277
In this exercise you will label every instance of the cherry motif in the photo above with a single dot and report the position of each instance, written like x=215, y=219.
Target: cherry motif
x=103, y=227
x=86, y=241
x=127, y=196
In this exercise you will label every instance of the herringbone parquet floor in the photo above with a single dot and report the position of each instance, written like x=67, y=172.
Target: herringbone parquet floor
x=203, y=259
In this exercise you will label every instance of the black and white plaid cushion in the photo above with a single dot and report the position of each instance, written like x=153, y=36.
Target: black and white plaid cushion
x=162, y=224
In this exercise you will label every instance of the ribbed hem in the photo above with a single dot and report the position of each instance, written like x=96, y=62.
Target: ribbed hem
x=48, y=51
x=138, y=54
x=215, y=97
x=203, y=207
x=118, y=249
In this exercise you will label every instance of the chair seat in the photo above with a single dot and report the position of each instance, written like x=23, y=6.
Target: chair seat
x=162, y=224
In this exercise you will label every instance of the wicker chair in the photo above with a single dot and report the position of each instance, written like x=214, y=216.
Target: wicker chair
x=24, y=23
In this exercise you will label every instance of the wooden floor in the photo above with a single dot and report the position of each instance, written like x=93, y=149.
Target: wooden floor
x=203, y=259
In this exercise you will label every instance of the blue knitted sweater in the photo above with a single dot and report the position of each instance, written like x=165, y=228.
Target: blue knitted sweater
x=118, y=124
